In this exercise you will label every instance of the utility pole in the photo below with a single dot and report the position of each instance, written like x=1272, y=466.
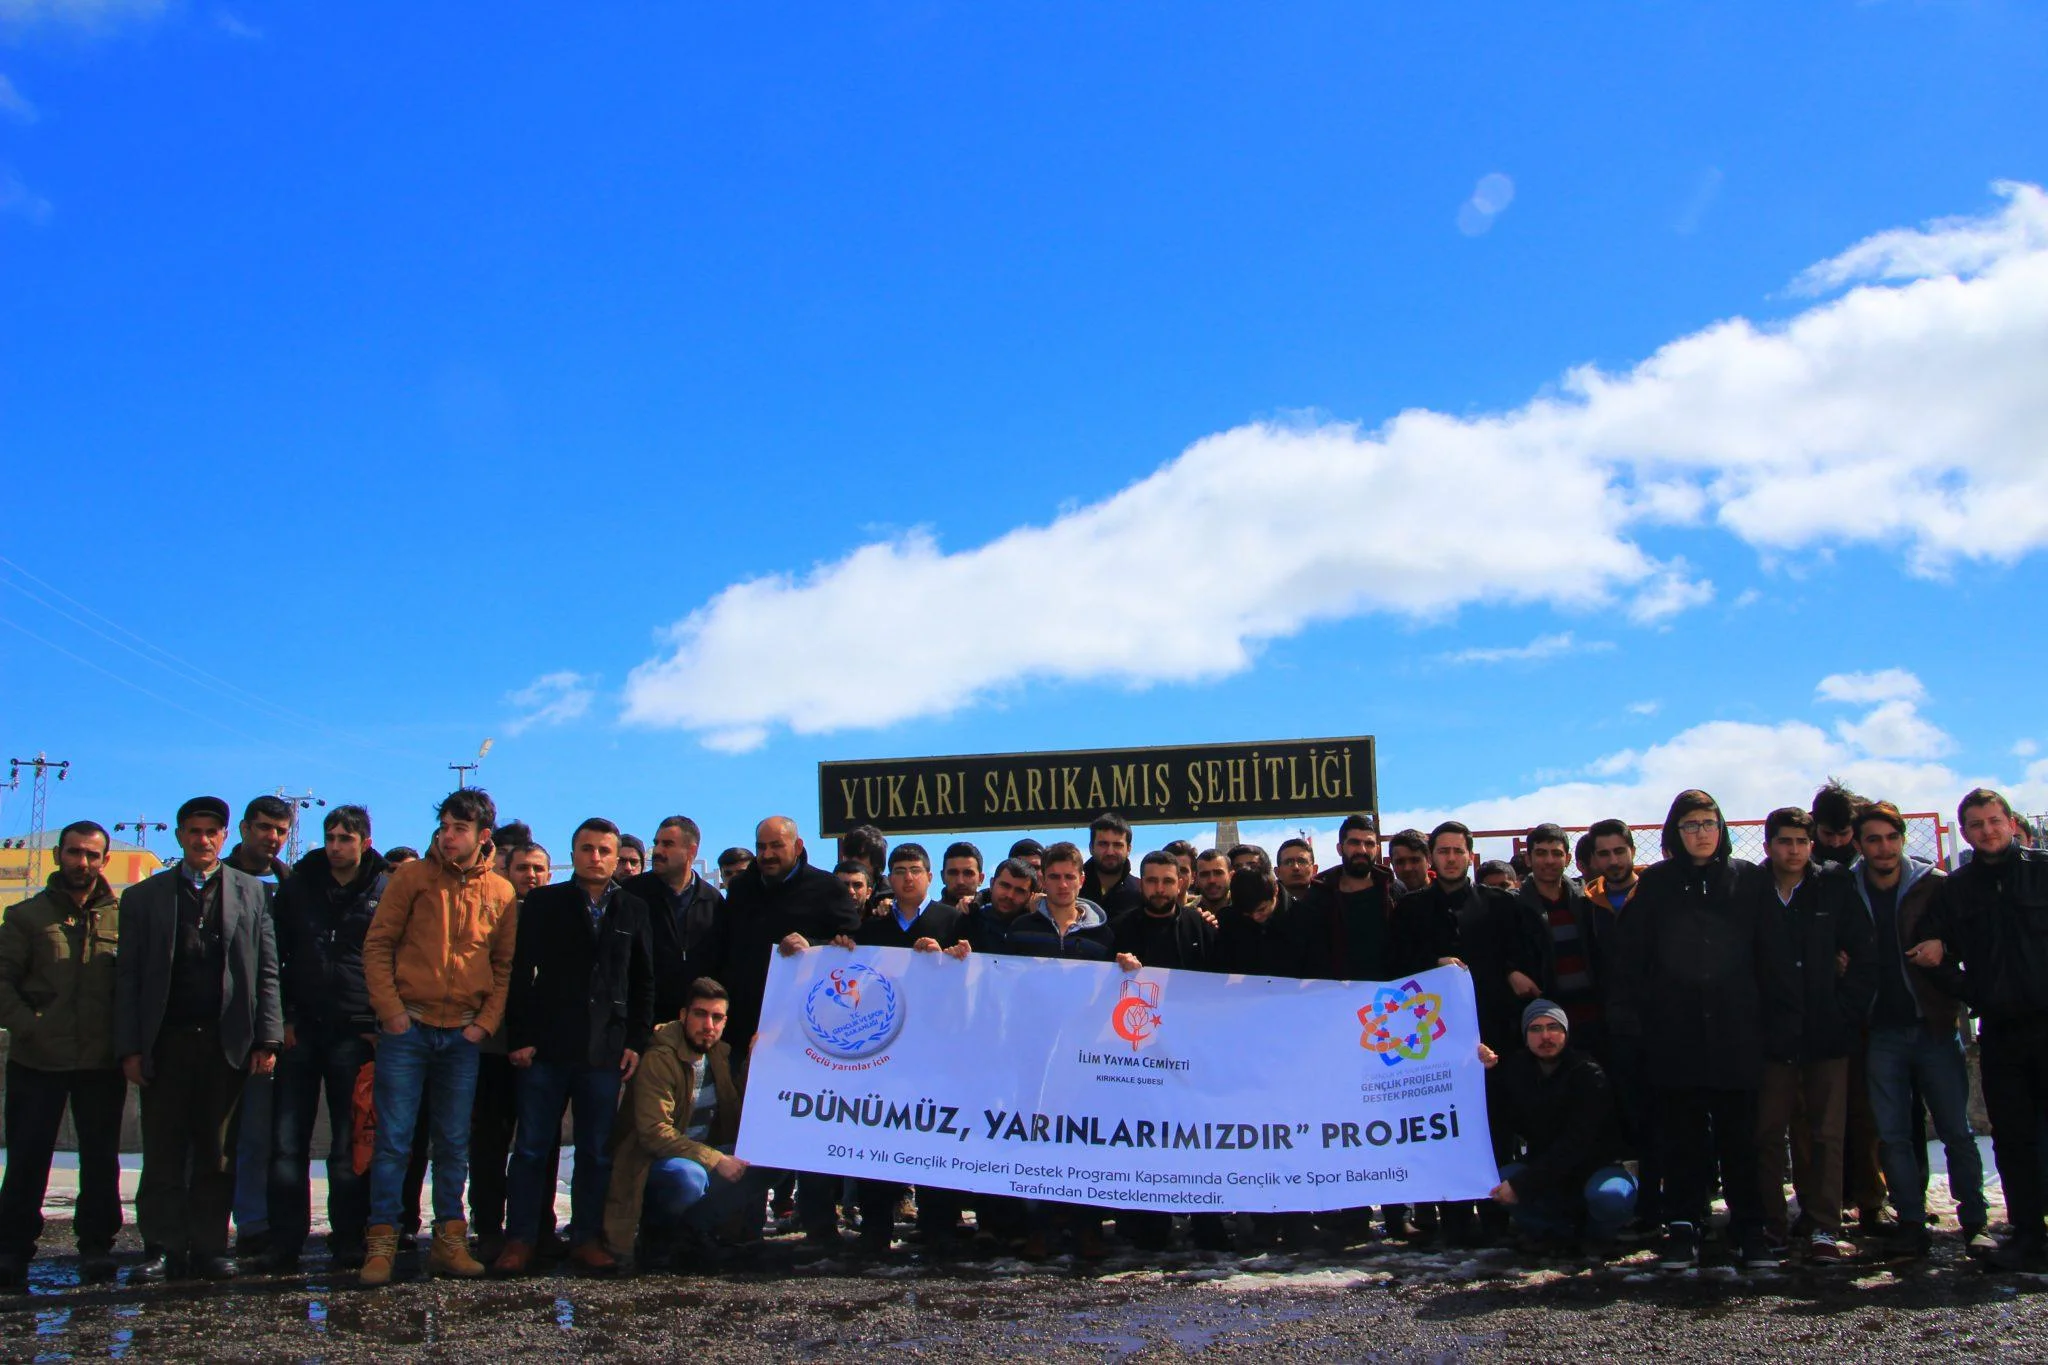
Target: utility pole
x=142, y=828
x=463, y=770
x=304, y=801
x=39, y=800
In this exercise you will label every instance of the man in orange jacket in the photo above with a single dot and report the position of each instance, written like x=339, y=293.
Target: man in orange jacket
x=437, y=961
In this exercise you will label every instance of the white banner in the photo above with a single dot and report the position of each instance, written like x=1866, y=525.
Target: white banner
x=1078, y=1082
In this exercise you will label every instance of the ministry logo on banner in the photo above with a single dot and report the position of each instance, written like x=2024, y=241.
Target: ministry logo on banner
x=853, y=1013
x=1402, y=1023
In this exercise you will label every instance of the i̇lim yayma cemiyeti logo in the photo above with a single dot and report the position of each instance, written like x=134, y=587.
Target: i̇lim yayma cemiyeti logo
x=1135, y=1016
x=854, y=1012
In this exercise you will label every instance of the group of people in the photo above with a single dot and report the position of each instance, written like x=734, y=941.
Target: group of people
x=1650, y=1034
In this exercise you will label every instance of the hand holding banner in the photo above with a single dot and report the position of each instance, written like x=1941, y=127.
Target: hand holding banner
x=1173, y=1090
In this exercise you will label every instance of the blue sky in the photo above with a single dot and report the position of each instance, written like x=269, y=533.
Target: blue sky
x=374, y=380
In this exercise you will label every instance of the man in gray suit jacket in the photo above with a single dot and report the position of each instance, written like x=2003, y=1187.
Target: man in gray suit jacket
x=196, y=1010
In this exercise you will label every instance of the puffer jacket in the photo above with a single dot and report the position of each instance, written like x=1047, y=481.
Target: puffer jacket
x=57, y=978
x=440, y=947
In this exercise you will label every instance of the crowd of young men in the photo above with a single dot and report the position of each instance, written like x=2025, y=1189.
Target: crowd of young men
x=1651, y=1034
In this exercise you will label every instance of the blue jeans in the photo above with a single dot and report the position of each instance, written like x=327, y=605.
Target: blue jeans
x=1604, y=1206
x=545, y=1089
x=441, y=1063
x=252, y=1158
x=682, y=1196
x=317, y=1064
x=1900, y=1057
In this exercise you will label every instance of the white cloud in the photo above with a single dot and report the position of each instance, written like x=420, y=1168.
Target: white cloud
x=1751, y=768
x=1946, y=246
x=1929, y=389
x=1489, y=199
x=235, y=27
x=551, y=699
x=1645, y=708
x=1891, y=684
x=14, y=104
x=2025, y=748
x=1536, y=651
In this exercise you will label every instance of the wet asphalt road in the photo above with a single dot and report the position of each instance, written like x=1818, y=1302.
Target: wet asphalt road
x=1373, y=1304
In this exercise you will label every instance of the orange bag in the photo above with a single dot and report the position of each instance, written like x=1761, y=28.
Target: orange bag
x=363, y=1129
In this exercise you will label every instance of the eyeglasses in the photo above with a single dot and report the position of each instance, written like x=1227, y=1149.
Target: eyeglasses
x=1700, y=827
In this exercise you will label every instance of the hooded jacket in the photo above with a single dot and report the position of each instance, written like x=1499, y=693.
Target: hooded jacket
x=1992, y=921
x=1821, y=922
x=1919, y=885
x=320, y=930
x=1249, y=947
x=57, y=976
x=1088, y=939
x=439, y=948
x=654, y=1119
x=1703, y=980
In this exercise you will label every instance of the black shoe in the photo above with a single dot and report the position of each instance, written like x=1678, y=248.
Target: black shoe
x=1680, y=1249
x=252, y=1245
x=95, y=1267
x=279, y=1261
x=2018, y=1252
x=214, y=1267
x=1910, y=1243
x=13, y=1272
x=1755, y=1251
x=161, y=1268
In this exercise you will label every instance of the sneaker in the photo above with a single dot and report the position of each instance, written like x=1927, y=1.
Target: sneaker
x=1756, y=1252
x=1910, y=1244
x=2018, y=1252
x=1822, y=1247
x=1681, y=1248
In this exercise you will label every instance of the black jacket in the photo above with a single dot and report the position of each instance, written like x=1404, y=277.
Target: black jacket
x=1824, y=919
x=1033, y=934
x=1704, y=978
x=320, y=928
x=1119, y=897
x=688, y=937
x=582, y=993
x=1194, y=941
x=1315, y=926
x=1592, y=923
x=1992, y=920
x=1247, y=947
x=1565, y=1121
x=758, y=915
x=944, y=923
x=1493, y=934
x=985, y=930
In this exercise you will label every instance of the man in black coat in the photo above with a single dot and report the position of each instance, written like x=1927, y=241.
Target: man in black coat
x=1344, y=927
x=578, y=1014
x=1985, y=942
x=1550, y=1105
x=686, y=916
x=911, y=920
x=1166, y=932
x=322, y=912
x=781, y=903
x=1107, y=879
x=1703, y=987
x=1498, y=938
x=1827, y=942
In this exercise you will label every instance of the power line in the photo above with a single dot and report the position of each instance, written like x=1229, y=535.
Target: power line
x=142, y=827
x=39, y=800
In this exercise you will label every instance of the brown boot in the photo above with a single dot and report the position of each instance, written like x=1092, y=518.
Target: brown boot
x=450, y=1254
x=380, y=1251
x=592, y=1259
x=515, y=1259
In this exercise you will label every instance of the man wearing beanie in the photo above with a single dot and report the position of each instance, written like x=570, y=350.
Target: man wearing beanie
x=1552, y=1102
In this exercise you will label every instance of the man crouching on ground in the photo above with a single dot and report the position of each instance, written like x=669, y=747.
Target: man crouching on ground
x=681, y=1110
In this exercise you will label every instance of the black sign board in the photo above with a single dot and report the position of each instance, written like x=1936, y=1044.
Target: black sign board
x=1179, y=785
